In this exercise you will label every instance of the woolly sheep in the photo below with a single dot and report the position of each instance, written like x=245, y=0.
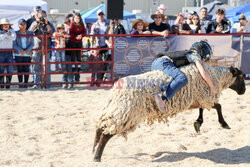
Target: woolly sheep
x=131, y=100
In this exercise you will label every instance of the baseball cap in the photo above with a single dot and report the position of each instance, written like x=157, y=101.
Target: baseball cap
x=37, y=8
x=99, y=11
x=21, y=21
x=242, y=17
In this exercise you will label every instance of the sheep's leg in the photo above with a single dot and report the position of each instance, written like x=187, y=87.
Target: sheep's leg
x=199, y=121
x=103, y=141
x=221, y=120
x=97, y=138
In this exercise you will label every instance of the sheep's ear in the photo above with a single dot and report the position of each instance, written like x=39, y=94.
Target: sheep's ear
x=233, y=71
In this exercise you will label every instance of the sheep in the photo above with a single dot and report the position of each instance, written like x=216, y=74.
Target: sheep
x=217, y=106
x=132, y=102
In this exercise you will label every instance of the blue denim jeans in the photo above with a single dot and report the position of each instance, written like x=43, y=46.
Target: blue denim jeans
x=6, y=57
x=68, y=77
x=37, y=67
x=179, y=78
x=60, y=57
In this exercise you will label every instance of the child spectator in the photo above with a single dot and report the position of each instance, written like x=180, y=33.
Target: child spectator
x=77, y=32
x=23, y=45
x=7, y=36
x=96, y=77
x=140, y=27
x=60, y=38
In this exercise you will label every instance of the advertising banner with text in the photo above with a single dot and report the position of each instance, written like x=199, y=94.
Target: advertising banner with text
x=134, y=55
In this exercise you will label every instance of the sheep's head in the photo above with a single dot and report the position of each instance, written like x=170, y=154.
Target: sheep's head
x=239, y=84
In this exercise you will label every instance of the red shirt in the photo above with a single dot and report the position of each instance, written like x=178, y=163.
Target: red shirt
x=75, y=30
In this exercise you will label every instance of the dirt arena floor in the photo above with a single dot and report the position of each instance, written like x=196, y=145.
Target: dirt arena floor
x=56, y=128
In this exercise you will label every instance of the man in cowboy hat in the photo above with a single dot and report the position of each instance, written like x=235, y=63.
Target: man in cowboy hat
x=157, y=27
x=7, y=36
x=139, y=27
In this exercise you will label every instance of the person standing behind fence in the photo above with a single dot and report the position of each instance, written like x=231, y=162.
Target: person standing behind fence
x=115, y=27
x=180, y=27
x=99, y=28
x=219, y=25
x=60, y=43
x=241, y=26
x=204, y=20
x=77, y=31
x=139, y=27
x=157, y=27
x=7, y=36
x=96, y=78
x=23, y=45
x=41, y=27
x=195, y=24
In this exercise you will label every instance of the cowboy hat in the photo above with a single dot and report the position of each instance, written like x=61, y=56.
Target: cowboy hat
x=157, y=14
x=5, y=21
x=162, y=7
x=145, y=24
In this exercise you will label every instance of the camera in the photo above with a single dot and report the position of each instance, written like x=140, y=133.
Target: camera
x=42, y=20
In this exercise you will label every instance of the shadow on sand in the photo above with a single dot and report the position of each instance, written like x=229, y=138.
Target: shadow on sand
x=220, y=155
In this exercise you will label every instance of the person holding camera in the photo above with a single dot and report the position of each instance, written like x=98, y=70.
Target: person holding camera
x=41, y=27
x=219, y=25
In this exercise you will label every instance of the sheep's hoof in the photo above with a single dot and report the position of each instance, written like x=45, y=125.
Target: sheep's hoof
x=97, y=159
x=225, y=126
x=197, y=126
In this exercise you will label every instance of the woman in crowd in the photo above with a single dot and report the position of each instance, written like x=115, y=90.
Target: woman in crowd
x=7, y=36
x=23, y=45
x=195, y=24
x=77, y=32
x=140, y=27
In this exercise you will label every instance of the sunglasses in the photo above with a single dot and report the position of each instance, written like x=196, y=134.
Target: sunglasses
x=157, y=17
x=195, y=19
x=100, y=14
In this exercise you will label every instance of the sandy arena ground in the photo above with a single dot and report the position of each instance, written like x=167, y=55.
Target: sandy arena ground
x=56, y=128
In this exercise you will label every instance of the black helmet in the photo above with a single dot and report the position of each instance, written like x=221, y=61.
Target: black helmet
x=203, y=49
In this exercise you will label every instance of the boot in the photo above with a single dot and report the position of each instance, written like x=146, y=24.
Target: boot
x=8, y=81
x=2, y=81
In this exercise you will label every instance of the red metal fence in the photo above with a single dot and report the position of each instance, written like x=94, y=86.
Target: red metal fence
x=44, y=63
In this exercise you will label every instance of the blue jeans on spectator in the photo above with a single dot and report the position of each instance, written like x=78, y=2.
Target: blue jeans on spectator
x=37, y=67
x=68, y=77
x=6, y=57
x=60, y=57
x=23, y=68
x=179, y=78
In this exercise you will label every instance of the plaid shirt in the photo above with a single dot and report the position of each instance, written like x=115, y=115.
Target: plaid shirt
x=95, y=30
x=60, y=41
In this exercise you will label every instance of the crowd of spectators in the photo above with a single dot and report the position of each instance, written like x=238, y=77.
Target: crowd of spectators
x=72, y=32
